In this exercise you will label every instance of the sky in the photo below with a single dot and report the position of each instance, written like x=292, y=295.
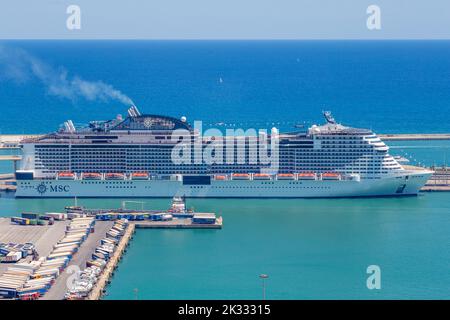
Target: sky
x=226, y=19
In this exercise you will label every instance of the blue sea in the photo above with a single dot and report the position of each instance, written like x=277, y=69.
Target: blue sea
x=389, y=86
x=309, y=248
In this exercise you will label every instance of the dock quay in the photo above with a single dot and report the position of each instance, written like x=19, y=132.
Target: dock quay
x=43, y=237
x=12, y=141
x=72, y=255
x=439, y=181
x=103, y=280
x=56, y=247
x=59, y=289
x=178, y=224
x=414, y=136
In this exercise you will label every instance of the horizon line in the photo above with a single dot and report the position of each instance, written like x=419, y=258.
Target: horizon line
x=224, y=39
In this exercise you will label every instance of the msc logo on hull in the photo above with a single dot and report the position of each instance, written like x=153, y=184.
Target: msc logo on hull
x=42, y=188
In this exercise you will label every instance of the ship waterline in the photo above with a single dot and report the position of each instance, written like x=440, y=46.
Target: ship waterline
x=134, y=157
x=401, y=185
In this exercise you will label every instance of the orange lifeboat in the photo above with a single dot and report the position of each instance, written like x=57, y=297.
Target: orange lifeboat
x=114, y=176
x=140, y=176
x=261, y=176
x=92, y=176
x=307, y=176
x=331, y=176
x=285, y=176
x=241, y=176
x=66, y=176
x=220, y=177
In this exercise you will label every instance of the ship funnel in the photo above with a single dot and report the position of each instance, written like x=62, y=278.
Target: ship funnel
x=329, y=117
x=69, y=127
x=134, y=112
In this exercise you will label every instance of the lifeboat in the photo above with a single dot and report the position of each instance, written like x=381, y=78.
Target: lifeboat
x=140, y=176
x=285, y=176
x=220, y=177
x=114, y=176
x=66, y=176
x=307, y=176
x=241, y=176
x=331, y=176
x=92, y=176
x=261, y=176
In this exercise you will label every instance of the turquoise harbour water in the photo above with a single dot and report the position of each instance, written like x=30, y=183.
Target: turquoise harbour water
x=311, y=249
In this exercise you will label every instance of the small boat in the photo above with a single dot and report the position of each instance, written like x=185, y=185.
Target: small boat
x=114, y=176
x=285, y=176
x=66, y=176
x=178, y=205
x=307, y=176
x=92, y=176
x=140, y=176
x=331, y=176
x=220, y=177
x=261, y=176
x=241, y=176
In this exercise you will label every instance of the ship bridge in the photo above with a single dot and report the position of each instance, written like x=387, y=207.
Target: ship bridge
x=151, y=122
x=138, y=121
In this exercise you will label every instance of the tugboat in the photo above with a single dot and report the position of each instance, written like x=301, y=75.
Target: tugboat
x=178, y=208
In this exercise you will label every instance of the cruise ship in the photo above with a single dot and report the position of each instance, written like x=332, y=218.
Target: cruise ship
x=134, y=157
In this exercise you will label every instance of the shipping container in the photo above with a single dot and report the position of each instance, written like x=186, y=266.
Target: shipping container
x=20, y=221
x=13, y=256
x=56, y=215
x=60, y=255
x=30, y=215
x=8, y=293
x=206, y=218
x=66, y=244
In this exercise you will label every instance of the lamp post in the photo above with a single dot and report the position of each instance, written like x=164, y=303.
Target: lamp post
x=263, y=278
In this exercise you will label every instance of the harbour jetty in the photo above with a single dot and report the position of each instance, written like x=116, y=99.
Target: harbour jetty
x=414, y=136
x=12, y=141
x=103, y=280
x=72, y=255
x=187, y=223
x=440, y=180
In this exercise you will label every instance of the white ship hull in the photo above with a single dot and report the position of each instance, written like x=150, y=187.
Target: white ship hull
x=409, y=183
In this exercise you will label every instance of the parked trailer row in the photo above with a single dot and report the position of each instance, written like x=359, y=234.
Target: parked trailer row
x=137, y=216
x=12, y=252
x=32, y=280
x=62, y=253
x=89, y=276
x=14, y=279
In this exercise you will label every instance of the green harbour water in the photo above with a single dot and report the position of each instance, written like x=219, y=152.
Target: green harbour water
x=310, y=248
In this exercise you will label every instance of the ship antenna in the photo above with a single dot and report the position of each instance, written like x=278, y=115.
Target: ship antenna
x=329, y=117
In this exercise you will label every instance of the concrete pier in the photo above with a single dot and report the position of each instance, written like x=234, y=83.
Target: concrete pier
x=12, y=141
x=43, y=237
x=415, y=136
x=59, y=289
x=440, y=181
x=107, y=272
x=177, y=224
